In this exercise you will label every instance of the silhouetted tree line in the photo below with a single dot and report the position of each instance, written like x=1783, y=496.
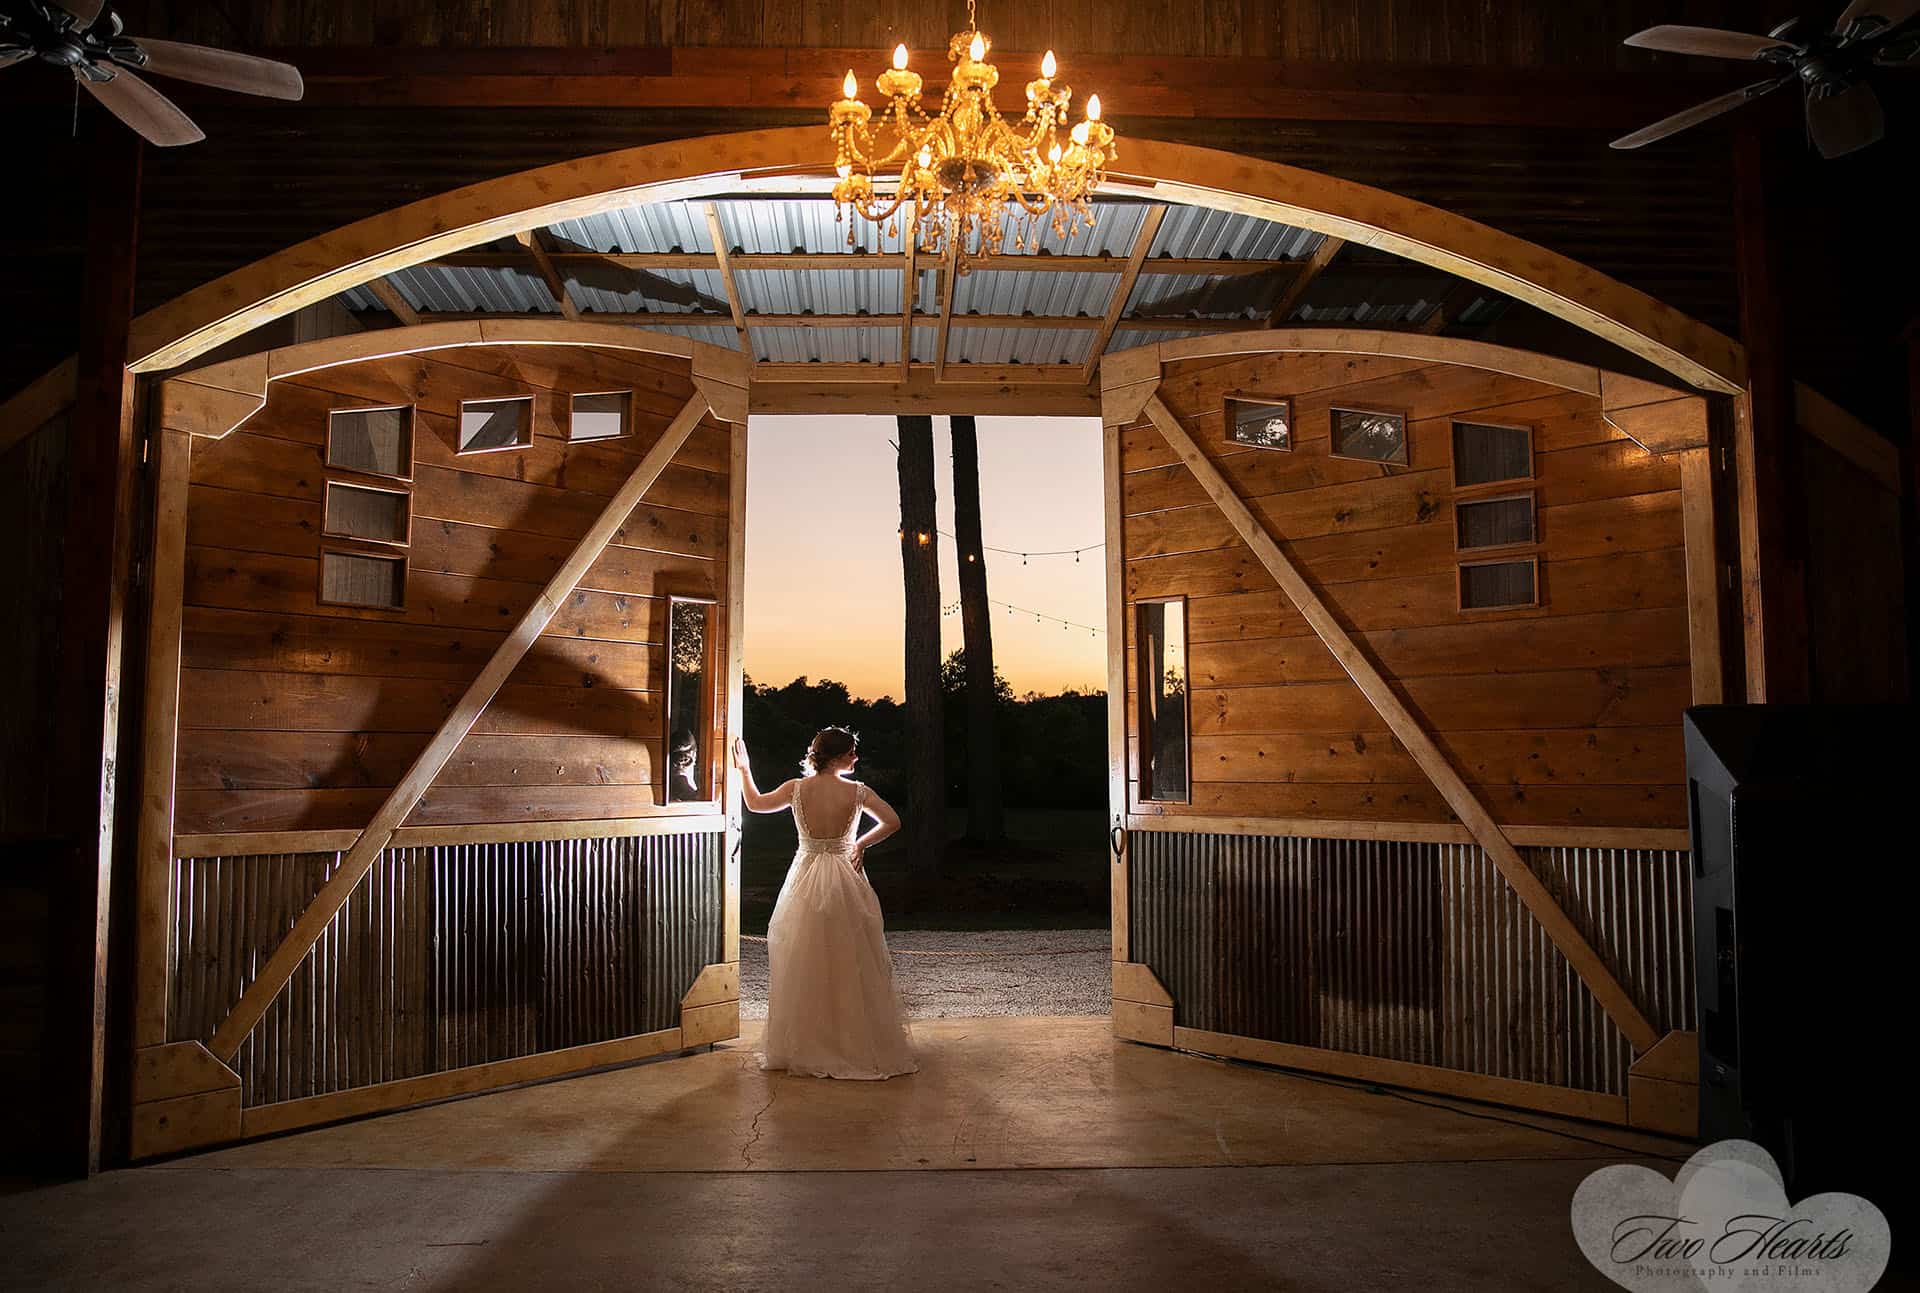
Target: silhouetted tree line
x=1052, y=748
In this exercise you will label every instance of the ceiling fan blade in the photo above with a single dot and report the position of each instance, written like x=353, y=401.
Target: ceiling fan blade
x=1698, y=113
x=1710, y=41
x=151, y=114
x=222, y=68
x=1845, y=122
x=9, y=57
x=1884, y=15
x=85, y=12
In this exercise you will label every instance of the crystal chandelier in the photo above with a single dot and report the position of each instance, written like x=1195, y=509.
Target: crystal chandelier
x=966, y=171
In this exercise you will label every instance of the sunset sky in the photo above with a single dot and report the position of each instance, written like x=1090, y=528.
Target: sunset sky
x=823, y=560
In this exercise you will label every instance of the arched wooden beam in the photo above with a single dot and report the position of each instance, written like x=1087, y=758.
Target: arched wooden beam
x=786, y=159
x=233, y=390
x=1659, y=418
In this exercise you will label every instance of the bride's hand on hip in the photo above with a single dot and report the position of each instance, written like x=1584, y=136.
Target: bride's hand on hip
x=858, y=859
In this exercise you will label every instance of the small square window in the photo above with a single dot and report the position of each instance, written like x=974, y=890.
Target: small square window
x=1263, y=421
x=1370, y=436
x=362, y=579
x=489, y=425
x=600, y=416
x=1497, y=585
x=1494, y=522
x=1485, y=454
x=362, y=512
x=378, y=442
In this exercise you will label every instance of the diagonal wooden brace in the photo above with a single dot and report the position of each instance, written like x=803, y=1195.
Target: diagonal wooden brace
x=333, y=895
x=1580, y=954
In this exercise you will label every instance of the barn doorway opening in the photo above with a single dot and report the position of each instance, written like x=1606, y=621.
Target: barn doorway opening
x=1003, y=908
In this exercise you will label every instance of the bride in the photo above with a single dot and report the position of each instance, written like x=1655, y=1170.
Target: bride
x=831, y=1007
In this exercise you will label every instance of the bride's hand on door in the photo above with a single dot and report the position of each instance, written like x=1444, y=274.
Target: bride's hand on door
x=740, y=759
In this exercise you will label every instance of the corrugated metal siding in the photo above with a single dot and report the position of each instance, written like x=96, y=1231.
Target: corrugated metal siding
x=446, y=957
x=1415, y=952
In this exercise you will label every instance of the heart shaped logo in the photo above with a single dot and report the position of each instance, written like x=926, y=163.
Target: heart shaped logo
x=1725, y=1223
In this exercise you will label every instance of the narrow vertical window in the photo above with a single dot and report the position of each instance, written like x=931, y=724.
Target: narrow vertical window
x=1162, y=642
x=689, y=701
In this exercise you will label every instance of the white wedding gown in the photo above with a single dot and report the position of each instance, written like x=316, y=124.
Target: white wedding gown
x=831, y=1006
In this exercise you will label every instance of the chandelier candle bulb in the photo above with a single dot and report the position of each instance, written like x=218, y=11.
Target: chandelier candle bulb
x=967, y=170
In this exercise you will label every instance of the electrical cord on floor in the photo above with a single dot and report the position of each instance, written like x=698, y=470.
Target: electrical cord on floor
x=1372, y=1088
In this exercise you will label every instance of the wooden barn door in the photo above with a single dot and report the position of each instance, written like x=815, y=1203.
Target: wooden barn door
x=1312, y=723
x=444, y=665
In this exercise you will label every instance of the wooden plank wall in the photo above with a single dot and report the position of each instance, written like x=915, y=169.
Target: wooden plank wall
x=1562, y=715
x=296, y=715
x=1400, y=31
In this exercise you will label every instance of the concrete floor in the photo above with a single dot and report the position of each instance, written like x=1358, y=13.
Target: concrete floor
x=1068, y=1159
x=948, y=974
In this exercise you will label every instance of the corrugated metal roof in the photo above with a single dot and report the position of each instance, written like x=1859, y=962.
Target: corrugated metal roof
x=877, y=345
x=1361, y=286
x=1231, y=296
x=615, y=289
x=809, y=291
x=996, y=291
x=659, y=226
x=1203, y=234
x=1019, y=345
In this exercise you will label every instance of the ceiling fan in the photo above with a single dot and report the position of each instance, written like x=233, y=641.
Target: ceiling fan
x=1843, y=113
x=86, y=36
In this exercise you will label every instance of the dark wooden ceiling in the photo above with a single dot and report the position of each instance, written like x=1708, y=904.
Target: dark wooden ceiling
x=1498, y=110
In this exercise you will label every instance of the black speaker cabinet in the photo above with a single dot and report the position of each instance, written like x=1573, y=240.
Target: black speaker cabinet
x=1803, y=821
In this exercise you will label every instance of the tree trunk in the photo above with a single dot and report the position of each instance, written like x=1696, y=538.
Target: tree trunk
x=925, y=828
x=986, y=808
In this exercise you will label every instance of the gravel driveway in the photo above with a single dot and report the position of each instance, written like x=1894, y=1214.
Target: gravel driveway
x=946, y=974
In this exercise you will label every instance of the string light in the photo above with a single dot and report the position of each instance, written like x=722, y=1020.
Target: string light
x=954, y=608
x=1016, y=552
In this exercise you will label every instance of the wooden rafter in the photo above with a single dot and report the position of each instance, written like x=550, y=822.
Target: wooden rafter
x=388, y=295
x=1322, y=257
x=1020, y=322
x=948, y=273
x=549, y=274
x=1444, y=310
x=403, y=798
x=909, y=282
x=1413, y=735
x=1137, y=257
x=858, y=261
x=720, y=253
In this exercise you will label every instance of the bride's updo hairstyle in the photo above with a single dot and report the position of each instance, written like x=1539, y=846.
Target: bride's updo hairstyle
x=829, y=744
